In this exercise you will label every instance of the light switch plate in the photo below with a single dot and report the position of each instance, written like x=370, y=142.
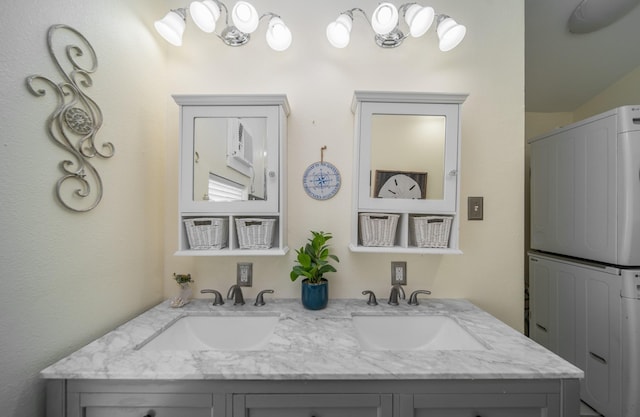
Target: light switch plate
x=398, y=273
x=475, y=208
x=245, y=274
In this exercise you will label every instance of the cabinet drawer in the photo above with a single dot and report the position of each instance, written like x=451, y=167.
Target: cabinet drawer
x=147, y=411
x=146, y=404
x=312, y=412
x=313, y=405
x=482, y=412
x=480, y=405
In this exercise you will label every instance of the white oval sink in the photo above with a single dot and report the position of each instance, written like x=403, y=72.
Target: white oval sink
x=415, y=333
x=215, y=333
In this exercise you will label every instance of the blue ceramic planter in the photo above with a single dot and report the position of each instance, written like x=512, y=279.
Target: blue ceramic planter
x=315, y=296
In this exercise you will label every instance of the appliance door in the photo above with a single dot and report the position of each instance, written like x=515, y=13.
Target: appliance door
x=630, y=324
x=628, y=253
x=574, y=177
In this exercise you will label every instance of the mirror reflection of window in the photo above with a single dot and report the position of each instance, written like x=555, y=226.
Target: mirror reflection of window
x=223, y=189
x=408, y=144
x=233, y=149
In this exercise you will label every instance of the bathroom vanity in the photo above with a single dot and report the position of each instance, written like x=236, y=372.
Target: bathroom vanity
x=327, y=363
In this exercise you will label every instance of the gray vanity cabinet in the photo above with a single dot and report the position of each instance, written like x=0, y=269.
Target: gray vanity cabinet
x=313, y=398
x=313, y=405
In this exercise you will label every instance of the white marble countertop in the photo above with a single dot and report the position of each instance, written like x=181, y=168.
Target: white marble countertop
x=309, y=345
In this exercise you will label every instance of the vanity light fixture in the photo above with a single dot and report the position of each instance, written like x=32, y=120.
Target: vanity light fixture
x=206, y=13
x=385, y=22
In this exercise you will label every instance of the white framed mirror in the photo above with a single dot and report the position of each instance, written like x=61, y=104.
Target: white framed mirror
x=230, y=159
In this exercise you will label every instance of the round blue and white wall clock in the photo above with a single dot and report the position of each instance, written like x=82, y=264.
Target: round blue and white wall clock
x=321, y=180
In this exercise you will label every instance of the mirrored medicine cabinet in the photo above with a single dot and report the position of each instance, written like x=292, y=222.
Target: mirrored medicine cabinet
x=406, y=163
x=232, y=191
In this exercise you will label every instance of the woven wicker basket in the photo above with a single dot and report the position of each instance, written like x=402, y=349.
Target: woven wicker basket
x=207, y=232
x=378, y=229
x=255, y=233
x=432, y=231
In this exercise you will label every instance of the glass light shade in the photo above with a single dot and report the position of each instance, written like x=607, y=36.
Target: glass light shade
x=419, y=19
x=384, y=19
x=339, y=31
x=205, y=14
x=450, y=34
x=278, y=35
x=171, y=27
x=245, y=17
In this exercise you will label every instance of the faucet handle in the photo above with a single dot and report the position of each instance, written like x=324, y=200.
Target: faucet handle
x=372, y=298
x=260, y=297
x=413, y=298
x=217, y=301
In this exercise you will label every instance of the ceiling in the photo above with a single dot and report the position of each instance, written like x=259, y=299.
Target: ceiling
x=564, y=70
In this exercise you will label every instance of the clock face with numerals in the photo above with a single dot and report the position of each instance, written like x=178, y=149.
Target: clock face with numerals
x=400, y=186
x=321, y=180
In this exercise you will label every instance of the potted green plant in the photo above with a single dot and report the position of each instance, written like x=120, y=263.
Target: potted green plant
x=312, y=262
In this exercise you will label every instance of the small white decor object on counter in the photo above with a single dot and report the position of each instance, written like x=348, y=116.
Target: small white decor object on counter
x=432, y=231
x=207, y=232
x=254, y=233
x=186, y=292
x=378, y=229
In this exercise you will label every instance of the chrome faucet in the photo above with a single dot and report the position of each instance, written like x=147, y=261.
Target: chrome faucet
x=217, y=301
x=413, y=298
x=396, y=291
x=235, y=293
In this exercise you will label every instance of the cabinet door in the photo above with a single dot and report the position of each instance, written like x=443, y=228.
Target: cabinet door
x=479, y=405
x=313, y=405
x=210, y=149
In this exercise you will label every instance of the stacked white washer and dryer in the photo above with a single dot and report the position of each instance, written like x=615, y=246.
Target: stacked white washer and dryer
x=584, y=267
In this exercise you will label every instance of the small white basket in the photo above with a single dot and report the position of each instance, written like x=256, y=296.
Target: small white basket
x=207, y=232
x=255, y=233
x=378, y=229
x=432, y=231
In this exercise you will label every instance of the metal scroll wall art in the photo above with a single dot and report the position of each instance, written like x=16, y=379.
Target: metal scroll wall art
x=76, y=120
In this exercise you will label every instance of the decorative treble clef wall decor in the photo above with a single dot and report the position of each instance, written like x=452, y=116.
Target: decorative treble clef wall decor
x=76, y=120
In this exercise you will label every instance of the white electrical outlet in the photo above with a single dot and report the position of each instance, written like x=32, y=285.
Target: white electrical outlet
x=245, y=274
x=398, y=273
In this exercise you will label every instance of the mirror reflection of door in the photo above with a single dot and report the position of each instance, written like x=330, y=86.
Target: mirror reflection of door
x=229, y=159
x=407, y=155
